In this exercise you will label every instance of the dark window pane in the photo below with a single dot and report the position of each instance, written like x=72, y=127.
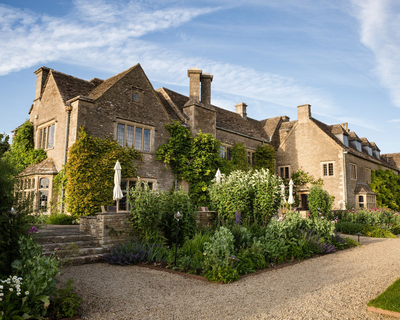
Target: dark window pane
x=122, y=203
x=228, y=153
x=138, y=139
x=121, y=134
x=146, y=140
x=331, y=169
x=40, y=138
x=43, y=197
x=124, y=184
x=129, y=136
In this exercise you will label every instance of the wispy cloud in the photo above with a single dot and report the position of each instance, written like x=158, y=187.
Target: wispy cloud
x=380, y=25
x=33, y=39
x=394, y=120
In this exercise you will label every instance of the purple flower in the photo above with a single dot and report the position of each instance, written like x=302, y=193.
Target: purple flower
x=33, y=229
x=238, y=217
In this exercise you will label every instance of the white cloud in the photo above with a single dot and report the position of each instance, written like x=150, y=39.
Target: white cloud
x=394, y=121
x=31, y=39
x=380, y=25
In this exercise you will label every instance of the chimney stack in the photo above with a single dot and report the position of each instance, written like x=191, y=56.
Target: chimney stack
x=194, y=86
x=206, y=80
x=41, y=76
x=241, y=109
x=303, y=113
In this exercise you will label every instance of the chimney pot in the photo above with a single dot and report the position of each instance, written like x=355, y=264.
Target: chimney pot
x=194, y=86
x=241, y=109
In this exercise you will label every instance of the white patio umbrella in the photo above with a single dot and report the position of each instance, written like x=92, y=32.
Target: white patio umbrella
x=117, y=192
x=283, y=193
x=218, y=176
x=291, y=199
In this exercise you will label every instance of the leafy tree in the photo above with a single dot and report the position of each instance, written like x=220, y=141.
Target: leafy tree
x=239, y=157
x=22, y=153
x=386, y=185
x=89, y=172
x=264, y=157
x=319, y=201
x=4, y=143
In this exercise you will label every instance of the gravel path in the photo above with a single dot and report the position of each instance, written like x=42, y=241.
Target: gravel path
x=335, y=286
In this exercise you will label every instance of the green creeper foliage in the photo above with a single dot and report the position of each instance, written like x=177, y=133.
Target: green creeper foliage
x=90, y=172
x=239, y=157
x=319, y=199
x=264, y=157
x=386, y=185
x=193, y=159
x=22, y=153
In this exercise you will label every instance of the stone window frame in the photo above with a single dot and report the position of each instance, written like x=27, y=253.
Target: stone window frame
x=250, y=156
x=42, y=129
x=329, y=168
x=225, y=151
x=353, y=171
x=129, y=185
x=368, y=175
x=282, y=172
x=139, y=92
x=135, y=125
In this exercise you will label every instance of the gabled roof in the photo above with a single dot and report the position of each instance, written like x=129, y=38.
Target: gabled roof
x=226, y=119
x=363, y=188
x=47, y=166
x=69, y=86
x=108, y=83
x=338, y=129
x=374, y=146
x=365, y=142
x=354, y=137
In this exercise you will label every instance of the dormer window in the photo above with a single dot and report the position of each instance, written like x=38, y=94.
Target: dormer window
x=377, y=154
x=343, y=138
x=368, y=149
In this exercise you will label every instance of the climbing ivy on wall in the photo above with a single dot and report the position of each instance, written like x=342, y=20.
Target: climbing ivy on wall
x=386, y=185
x=89, y=172
x=192, y=159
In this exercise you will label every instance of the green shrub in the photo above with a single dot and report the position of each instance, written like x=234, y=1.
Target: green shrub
x=61, y=219
x=218, y=250
x=190, y=256
x=377, y=232
x=319, y=201
x=255, y=194
x=250, y=258
x=224, y=274
x=396, y=229
x=152, y=214
x=351, y=243
x=65, y=303
x=38, y=273
x=349, y=227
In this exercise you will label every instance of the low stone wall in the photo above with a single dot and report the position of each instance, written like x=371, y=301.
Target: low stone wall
x=107, y=227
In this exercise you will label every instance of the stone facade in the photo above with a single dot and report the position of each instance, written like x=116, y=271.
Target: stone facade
x=127, y=108
x=321, y=151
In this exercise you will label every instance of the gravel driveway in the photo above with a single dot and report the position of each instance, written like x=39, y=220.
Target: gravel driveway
x=335, y=286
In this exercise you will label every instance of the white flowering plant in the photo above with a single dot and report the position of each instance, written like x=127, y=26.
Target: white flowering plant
x=13, y=296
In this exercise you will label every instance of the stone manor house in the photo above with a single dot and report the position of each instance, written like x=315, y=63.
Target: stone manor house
x=127, y=107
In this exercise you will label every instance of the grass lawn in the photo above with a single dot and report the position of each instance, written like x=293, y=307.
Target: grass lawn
x=388, y=300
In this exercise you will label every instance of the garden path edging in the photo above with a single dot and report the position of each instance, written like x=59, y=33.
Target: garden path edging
x=384, y=312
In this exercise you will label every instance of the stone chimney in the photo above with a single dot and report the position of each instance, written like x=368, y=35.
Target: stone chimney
x=241, y=109
x=285, y=119
x=41, y=76
x=206, y=80
x=303, y=113
x=194, y=86
x=345, y=126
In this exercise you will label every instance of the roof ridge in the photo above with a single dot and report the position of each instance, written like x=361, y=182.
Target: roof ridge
x=68, y=75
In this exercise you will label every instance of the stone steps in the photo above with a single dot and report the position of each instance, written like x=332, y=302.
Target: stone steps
x=75, y=248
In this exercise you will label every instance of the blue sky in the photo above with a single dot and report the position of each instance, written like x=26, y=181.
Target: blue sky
x=342, y=57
